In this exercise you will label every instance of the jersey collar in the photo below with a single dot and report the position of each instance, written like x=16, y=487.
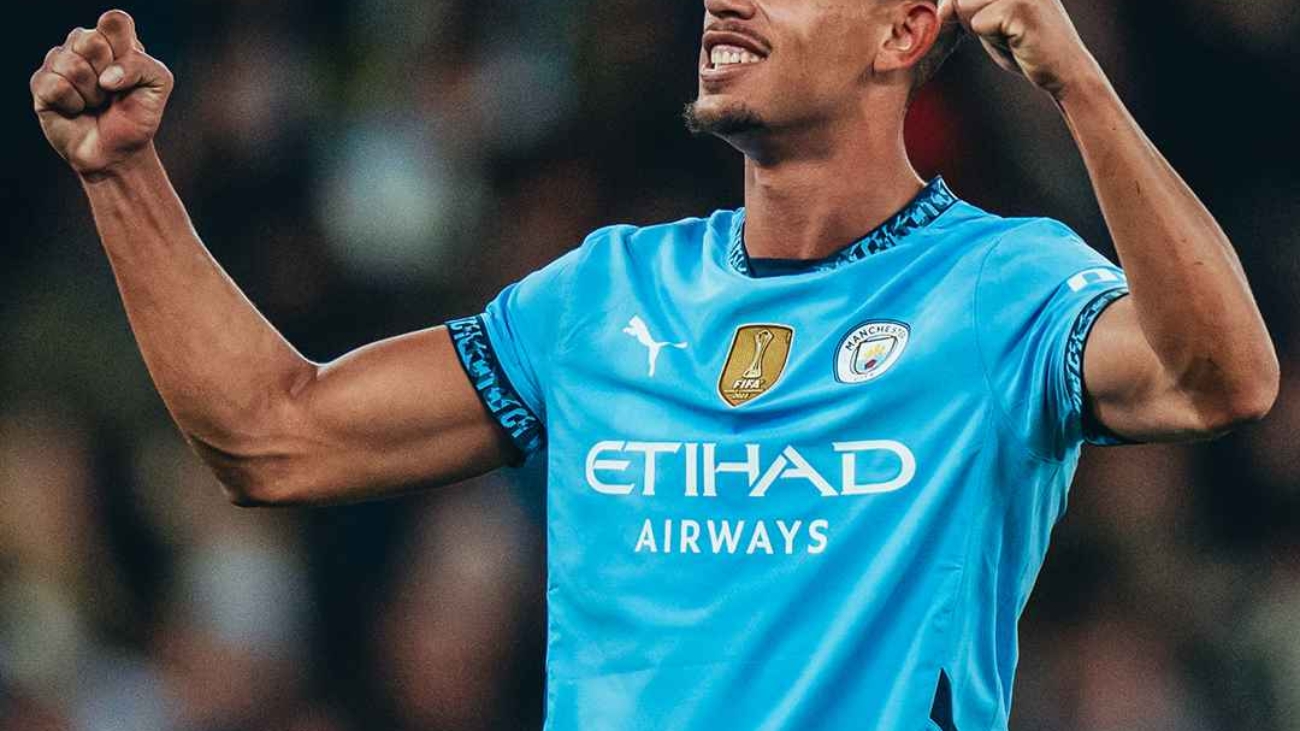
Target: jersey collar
x=933, y=200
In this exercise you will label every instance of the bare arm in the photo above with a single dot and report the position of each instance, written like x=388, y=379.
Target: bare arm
x=1149, y=368
x=277, y=428
x=1150, y=373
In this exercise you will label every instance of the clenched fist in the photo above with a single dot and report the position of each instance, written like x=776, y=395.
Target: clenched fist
x=1032, y=37
x=99, y=96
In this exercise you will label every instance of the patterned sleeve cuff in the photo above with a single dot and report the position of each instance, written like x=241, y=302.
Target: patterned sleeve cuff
x=1094, y=432
x=480, y=362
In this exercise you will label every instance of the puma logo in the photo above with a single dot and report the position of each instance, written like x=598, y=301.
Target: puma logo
x=636, y=327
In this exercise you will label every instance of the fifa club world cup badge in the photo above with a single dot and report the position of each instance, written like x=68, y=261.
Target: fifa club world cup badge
x=869, y=350
x=755, y=363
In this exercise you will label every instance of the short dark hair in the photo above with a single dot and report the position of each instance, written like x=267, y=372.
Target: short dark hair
x=950, y=36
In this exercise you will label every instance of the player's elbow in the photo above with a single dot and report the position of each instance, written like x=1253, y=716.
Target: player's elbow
x=1253, y=398
x=1252, y=406
x=265, y=463
x=246, y=477
x=242, y=496
x=247, y=490
x=253, y=484
x=243, y=486
x=1240, y=405
x=261, y=459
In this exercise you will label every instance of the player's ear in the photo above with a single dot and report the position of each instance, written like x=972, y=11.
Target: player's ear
x=915, y=29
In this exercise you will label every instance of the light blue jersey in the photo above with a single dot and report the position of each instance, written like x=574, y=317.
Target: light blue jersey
x=816, y=500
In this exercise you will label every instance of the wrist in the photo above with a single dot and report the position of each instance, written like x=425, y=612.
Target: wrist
x=1083, y=82
x=130, y=166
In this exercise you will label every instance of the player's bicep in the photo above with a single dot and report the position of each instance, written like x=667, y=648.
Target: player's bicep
x=398, y=413
x=1129, y=391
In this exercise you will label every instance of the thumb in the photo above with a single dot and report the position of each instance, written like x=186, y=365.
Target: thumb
x=134, y=70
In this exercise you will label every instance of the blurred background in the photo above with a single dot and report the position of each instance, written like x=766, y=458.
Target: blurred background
x=366, y=168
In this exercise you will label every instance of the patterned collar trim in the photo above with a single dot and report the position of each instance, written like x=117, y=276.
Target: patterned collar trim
x=933, y=200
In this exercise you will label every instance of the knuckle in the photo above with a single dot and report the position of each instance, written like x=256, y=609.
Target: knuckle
x=53, y=90
x=91, y=43
x=116, y=21
x=115, y=15
x=74, y=68
x=57, y=86
x=59, y=59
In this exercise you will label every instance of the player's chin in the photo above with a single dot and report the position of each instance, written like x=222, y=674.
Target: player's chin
x=722, y=115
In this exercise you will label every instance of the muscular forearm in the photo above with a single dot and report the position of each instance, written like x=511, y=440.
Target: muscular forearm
x=217, y=362
x=1191, y=296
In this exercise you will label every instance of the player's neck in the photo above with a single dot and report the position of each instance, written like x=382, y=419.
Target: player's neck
x=811, y=206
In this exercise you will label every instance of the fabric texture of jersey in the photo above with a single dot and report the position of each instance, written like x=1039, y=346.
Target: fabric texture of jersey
x=815, y=500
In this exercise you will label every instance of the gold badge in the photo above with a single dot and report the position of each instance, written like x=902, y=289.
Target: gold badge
x=756, y=361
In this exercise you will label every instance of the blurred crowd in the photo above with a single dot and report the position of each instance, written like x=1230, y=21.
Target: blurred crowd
x=371, y=167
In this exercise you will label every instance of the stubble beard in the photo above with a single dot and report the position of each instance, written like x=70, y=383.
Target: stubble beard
x=726, y=122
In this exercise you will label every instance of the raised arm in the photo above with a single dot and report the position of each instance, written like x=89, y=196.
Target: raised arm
x=1187, y=355
x=276, y=428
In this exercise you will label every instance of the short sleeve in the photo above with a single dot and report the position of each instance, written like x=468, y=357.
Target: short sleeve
x=506, y=350
x=1040, y=291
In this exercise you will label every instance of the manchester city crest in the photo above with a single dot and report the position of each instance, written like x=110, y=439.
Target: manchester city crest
x=869, y=350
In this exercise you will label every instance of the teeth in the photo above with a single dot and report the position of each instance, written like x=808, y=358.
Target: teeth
x=729, y=56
